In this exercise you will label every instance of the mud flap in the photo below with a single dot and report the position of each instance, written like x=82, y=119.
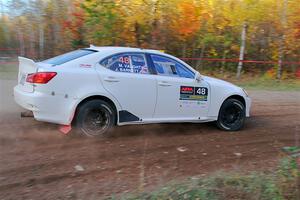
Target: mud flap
x=65, y=129
x=27, y=114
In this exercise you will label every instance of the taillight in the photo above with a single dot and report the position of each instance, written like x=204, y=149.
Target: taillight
x=40, y=77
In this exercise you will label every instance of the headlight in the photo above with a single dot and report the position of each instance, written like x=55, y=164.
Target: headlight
x=246, y=93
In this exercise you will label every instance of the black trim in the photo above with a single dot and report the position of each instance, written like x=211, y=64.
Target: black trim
x=125, y=116
x=150, y=63
x=89, y=49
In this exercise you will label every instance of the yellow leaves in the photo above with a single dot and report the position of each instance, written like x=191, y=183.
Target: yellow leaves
x=133, y=15
x=173, y=25
x=235, y=47
x=187, y=21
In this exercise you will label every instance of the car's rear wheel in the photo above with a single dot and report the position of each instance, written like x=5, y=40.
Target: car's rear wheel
x=231, y=115
x=95, y=118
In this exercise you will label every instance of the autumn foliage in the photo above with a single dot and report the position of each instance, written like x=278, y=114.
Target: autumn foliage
x=186, y=28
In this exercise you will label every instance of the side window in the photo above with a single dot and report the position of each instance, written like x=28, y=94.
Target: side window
x=184, y=72
x=130, y=63
x=58, y=60
x=169, y=67
x=138, y=63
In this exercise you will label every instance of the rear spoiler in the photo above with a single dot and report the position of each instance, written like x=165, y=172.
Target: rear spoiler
x=26, y=66
x=27, y=62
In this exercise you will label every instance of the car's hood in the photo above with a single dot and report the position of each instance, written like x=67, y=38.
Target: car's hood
x=216, y=81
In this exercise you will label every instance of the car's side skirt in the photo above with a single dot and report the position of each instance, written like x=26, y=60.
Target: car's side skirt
x=154, y=121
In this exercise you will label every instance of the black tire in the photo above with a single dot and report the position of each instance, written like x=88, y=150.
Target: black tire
x=232, y=115
x=95, y=118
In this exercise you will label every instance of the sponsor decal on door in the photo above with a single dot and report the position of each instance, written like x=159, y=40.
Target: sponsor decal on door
x=193, y=93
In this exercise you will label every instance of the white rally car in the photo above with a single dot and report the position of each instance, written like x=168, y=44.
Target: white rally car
x=99, y=87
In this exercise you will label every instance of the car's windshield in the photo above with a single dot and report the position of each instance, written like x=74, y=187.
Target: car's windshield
x=68, y=56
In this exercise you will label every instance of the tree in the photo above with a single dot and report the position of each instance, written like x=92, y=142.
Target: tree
x=74, y=25
x=102, y=22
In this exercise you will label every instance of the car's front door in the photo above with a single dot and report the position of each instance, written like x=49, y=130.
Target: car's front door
x=179, y=96
x=128, y=78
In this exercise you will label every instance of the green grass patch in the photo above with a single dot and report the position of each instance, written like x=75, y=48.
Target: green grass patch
x=258, y=81
x=8, y=71
x=277, y=185
x=270, y=84
x=8, y=75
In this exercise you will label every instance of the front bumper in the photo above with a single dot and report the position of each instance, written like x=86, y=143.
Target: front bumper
x=46, y=107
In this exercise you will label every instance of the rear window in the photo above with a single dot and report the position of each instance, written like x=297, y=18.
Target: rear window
x=69, y=56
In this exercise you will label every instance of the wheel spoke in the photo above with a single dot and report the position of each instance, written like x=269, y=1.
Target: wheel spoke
x=232, y=115
x=96, y=121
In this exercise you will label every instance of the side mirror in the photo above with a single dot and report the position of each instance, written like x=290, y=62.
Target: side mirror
x=198, y=77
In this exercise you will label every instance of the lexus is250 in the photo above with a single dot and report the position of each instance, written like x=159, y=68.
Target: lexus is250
x=97, y=88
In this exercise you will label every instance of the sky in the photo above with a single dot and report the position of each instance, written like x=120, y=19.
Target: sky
x=3, y=4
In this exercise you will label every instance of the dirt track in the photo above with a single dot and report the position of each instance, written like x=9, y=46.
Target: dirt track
x=37, y=162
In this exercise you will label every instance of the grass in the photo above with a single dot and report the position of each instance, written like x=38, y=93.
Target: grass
x=270, y=84
x=8, y=71
x=259, y=82
x=278, y=185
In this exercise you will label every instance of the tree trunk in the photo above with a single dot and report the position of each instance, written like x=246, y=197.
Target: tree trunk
x=280, y=57
x=184, y=50
x=193, y=62
x=199, y=62
x=223, y=62
x=154, y=34
x=56, y=28
x=32, y=53
x=155, y=30
x=21, y=41
x=281, y=40
x=242, y=51
x=41, y=41
x=137, y=34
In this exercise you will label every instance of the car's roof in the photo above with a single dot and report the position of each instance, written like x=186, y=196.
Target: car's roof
x=117, y=49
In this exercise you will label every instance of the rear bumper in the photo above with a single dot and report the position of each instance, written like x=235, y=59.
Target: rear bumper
x=46, y=107
x=26, y=99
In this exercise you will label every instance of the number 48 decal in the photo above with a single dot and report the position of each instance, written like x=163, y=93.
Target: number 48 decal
x=124, y=59
x=201, y=91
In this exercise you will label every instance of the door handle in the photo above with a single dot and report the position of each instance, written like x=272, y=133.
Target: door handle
x=164, y=83
x=111, y=79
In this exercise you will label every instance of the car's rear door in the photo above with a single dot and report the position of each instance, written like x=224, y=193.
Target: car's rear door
x=128, y=78
x=179, y=96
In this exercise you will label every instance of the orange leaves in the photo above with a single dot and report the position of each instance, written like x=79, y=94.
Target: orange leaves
x=75, y=22
x=297, y=34
x=209, y=28
x=187, y=22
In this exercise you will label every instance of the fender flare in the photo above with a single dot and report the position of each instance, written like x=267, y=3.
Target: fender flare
x=96, y=95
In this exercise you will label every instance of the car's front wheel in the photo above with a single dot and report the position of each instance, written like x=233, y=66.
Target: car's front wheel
x=95, y=118
x=232, y=115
